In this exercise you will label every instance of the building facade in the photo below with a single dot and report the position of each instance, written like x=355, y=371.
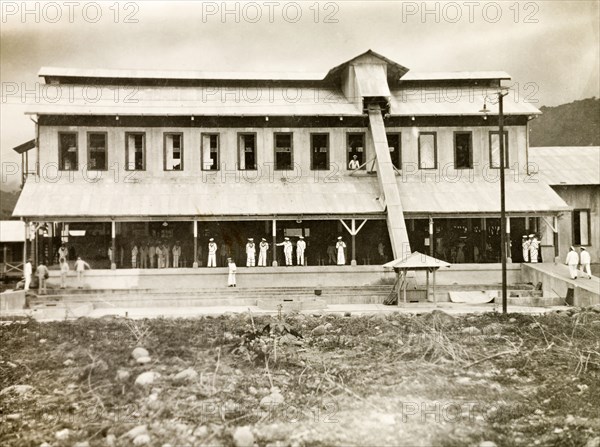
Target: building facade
x=390, y=160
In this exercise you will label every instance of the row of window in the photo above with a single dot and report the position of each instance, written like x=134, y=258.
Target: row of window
x=135, y=150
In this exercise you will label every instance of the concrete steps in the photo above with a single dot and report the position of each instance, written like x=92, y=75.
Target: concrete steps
x=269, y=296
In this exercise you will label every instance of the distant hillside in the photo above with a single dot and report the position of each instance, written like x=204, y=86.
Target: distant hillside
x=573, y=124
x=8, y=200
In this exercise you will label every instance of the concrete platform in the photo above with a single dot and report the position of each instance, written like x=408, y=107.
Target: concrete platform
x=294, y=276
x=556, y=282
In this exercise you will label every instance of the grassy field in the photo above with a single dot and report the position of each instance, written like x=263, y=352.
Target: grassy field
x=397, y=379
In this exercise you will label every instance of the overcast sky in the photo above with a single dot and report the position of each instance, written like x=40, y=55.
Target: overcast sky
x=554, y=44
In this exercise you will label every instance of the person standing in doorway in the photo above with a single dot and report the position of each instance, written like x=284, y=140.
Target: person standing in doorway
x=354, y=163
x=572, y=261
x=534, y=247
x=340, y=246
x=176, y=254
x=134, y=256
x=525, y=244
x=331, y=254
x=232, y=270
x=262, y=253
x=212, y=253
x=152, y=254
x=287, y=250
x=300, y=248
x=27, y=272
x=160, y=257
x=80, y=266
x=585, y=260
x=144, y=256
x=167, y=254
x=250, y=253
x=64, y=272
x=42, y=273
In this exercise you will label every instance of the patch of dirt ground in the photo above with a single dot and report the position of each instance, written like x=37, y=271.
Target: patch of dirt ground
x=295, y=380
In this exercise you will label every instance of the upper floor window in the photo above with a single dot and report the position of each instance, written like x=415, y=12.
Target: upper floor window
x=395, y=145
x=319, y=150
x=247, y=151
x=463, y=150
x=356, y=151
x=283, y=151
x=97, y=158
x=135, y=151
x=581, y=227
x=210, y=152
x=173, y=151
x=68, y=154
x=495, y=149
x=427, y=150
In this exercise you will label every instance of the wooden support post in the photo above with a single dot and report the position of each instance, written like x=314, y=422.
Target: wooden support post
x=195, y=263
x=508, y=248
x=274, y=247
x=404, y=288
x=353, y=261
x=25, y=244
x=556, y=241
x=399, y=281
x=113, y=232
x=433, y=288
x=427, y=285
x=431, y=236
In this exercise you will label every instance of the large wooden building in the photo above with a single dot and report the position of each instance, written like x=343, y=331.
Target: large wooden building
x=128, y=158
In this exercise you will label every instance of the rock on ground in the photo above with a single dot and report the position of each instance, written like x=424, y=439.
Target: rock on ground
x=146, y=378
x=186, y=375
x=243, y=437
x=139, y=352
x=17, y=389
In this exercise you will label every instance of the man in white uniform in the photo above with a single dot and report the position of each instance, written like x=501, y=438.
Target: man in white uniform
x=340, y=246
x=572, y=261
x=354, y=163
x=212, y=253
x=63, y=253
x=262, y=254
x=287, y=250
x=534, y=246
x=231, y=277
x=27, y=271
x=250, y=253
x=525, y=244
x=80, y=266
x=176, y=254
x=585, y=261
x=300, y=247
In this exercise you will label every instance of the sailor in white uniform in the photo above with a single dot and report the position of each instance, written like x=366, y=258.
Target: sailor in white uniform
x=340, y=246
x=526, y=245
x=300, y=248
x=262, y=254
x=250, y=253
x=287, y=250
x=212, y=253
x=572, y=261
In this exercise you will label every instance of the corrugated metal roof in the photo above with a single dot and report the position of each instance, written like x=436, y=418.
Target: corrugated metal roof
x=191, y=196
x=416, y=261
x=438, y=101
x=371, y=80
x=454, y=75
x=195, y=101
x=194, y=197
x=566, y=165
x=12, y=231
x=28, y=145
x=479, y=196
x=176, y=74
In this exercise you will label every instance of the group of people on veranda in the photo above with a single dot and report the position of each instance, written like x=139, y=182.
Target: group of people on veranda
x=262, y=248
x=150, y=255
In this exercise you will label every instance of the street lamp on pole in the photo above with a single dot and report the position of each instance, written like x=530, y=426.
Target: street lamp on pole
x=503, y=239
